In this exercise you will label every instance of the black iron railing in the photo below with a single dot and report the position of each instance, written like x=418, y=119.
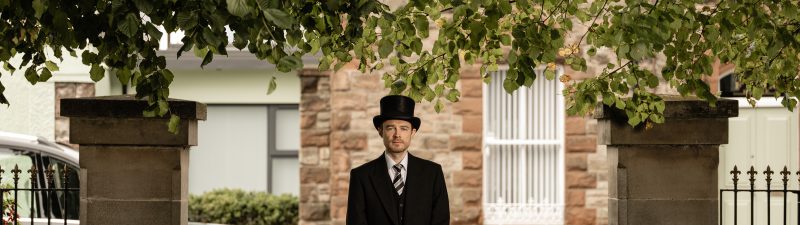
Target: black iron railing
x=53, y=198
x=785, y=173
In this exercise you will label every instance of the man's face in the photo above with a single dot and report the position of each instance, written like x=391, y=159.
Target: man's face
x=396, y=135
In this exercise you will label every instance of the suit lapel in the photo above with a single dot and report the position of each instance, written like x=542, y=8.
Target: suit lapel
x=383, y=187
x=412, y=179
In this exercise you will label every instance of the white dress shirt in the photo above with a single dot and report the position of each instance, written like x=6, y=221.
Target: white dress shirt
x=390, y=163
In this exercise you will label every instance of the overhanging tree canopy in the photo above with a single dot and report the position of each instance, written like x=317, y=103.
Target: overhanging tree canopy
x=760, y=37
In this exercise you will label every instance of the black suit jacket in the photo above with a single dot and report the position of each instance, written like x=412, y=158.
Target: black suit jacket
x=370, y=200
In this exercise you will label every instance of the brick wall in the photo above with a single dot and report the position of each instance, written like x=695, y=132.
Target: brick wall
x=586, y=174
x=337, y=135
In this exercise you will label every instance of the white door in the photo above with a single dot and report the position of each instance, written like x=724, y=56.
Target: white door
x=763, y=136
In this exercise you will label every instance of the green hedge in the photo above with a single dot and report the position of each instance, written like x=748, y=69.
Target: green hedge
x=234, y=206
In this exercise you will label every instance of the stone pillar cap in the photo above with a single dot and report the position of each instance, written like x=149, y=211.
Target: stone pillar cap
x=679, y=107
x=126, y=106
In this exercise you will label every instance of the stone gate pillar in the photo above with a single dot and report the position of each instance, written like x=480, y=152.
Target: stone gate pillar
x=666, y=174
x=133, y=171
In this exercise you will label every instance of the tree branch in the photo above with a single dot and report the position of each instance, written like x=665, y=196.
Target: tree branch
x=451, y=8
x=654, y=7
x=426, y=63
x=619, y=68
x=552, y=11
x=602, y=9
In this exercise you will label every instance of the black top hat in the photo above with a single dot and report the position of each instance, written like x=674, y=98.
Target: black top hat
x=396, y=107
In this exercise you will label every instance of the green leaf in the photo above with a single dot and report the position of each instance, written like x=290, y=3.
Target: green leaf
x=278, y=17
x=512, y=57
x=200, y=52
x=210, y=37
x=149, y=113
x=549, y=74
x=187, y=20
x=31, y=76
x=620, y=104
x=660, y=106
x=272, y=85
x=505, y=39
x=174, y=122
x=144, y=5
x=238, y=7
x=262, y=4
x=124, y=75
x=168, y=76
x=453, y=95
x=163, y=107
x=634, y=120
x=652, y=81
x=97, y=72
x=207, y=59
x=239, y=41
x=289, y=62
x=439, y=89
x=8, y=67
x=407, y=27
x=38, y=8
x=3, y=99
x=385, y=47
x=416, y=45
x=510, y=85
x=422, y=25
x=438, y=106
x=592, y=51
x=129, y=26
x=153, y=31
x=505, y=6
x=51, y=65
x=46, y=75
x=639, y=51
x=608, y=98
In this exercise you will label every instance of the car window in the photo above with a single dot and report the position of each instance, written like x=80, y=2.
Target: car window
x=57, y=198
x=23, y=160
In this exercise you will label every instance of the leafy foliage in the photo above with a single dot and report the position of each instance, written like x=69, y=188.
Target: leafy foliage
x=760, y=37
x=234, y=206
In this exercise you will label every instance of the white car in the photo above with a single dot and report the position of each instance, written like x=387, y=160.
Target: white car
x=52, y=197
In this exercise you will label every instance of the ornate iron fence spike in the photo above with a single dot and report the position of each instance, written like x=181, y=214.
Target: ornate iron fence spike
x=48, y=174
x=752, y=173
x=785, y=172
x=735, y=172
x=66, y=172
x=769, y=173
x=16, y=172
x=33, y=171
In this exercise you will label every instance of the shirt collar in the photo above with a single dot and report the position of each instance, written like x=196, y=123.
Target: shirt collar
x=390, y=163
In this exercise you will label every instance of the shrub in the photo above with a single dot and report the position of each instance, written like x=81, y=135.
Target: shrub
x=234, y=206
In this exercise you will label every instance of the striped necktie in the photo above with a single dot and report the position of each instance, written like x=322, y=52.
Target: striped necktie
x=398, y=179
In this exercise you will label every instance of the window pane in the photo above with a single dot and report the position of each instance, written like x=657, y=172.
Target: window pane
x=8, y=160
x=56, y=200
x=285, y=176
x=287, y=129
x=231, y=150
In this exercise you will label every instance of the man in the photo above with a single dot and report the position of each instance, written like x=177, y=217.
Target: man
x=397, y=188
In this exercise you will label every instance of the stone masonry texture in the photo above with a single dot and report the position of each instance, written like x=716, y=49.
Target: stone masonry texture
x=68, y=90
x=586, y=194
